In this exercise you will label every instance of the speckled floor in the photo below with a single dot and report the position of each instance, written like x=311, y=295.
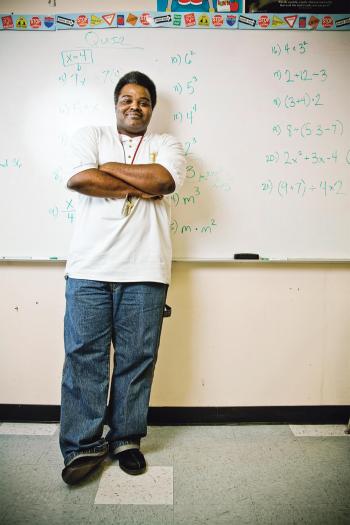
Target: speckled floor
x=234, y=474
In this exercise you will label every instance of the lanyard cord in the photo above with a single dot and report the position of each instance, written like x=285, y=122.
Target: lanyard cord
x=129, y=203
x=136, y=150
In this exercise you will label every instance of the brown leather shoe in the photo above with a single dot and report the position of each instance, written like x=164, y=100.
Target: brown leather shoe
x=80, y=468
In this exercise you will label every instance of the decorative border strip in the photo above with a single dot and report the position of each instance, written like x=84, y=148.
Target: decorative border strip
x=28, y=22
x=189, y=20
x=294, y=21
x=199, y=415
x=148, y=19
x=233, y=6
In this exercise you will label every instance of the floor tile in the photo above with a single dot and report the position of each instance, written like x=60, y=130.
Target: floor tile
x=318, y=430
x=213, y=475
x=281, y=514
x=155, y=487
x=158, y=447
x=330, y=452
x=22, y=450
x=179, y=436
x=47, y=515
x=131, y=515
x=224, y=514
x=208, y=474
x=250, y=433
x=28, y=429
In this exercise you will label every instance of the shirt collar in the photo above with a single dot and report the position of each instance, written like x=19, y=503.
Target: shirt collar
x=125, y=138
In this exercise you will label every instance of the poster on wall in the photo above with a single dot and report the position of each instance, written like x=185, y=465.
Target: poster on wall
x=220, y=6
x=297, y=6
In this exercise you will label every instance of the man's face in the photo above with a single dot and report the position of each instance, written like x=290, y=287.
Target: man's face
x=133, y=109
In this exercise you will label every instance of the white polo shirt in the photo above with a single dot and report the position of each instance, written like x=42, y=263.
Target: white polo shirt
x=106, y=245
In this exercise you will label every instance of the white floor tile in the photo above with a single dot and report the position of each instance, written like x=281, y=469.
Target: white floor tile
x=318, y=430
x=155, y=487
x=28, y=429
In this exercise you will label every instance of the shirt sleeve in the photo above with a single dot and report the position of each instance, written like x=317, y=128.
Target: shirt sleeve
x=171, y=156
x=83, y=151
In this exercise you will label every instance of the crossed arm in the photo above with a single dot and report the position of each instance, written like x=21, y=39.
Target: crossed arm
x=117, y=180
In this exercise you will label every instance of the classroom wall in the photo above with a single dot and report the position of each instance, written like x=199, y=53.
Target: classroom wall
x=240, y=334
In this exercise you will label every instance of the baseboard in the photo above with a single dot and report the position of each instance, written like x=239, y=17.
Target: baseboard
x=199, y=415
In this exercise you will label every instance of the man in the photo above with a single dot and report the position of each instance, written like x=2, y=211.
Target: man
x=117, y=277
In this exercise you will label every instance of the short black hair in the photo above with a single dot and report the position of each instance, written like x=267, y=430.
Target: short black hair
x=135, y=77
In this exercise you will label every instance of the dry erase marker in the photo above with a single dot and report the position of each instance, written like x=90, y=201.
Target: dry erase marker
x=246, y=256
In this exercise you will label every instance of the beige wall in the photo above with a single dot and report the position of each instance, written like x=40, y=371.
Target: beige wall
x=240, y=334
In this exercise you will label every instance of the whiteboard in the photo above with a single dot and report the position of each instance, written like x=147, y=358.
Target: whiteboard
x=263, y=116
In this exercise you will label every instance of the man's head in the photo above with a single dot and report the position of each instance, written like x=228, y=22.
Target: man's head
x=134, y=97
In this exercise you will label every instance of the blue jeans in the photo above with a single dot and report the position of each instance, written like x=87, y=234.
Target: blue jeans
x=130, y=316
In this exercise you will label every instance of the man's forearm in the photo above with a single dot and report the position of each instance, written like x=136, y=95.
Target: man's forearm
x=148, y=178
x=97, y=183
